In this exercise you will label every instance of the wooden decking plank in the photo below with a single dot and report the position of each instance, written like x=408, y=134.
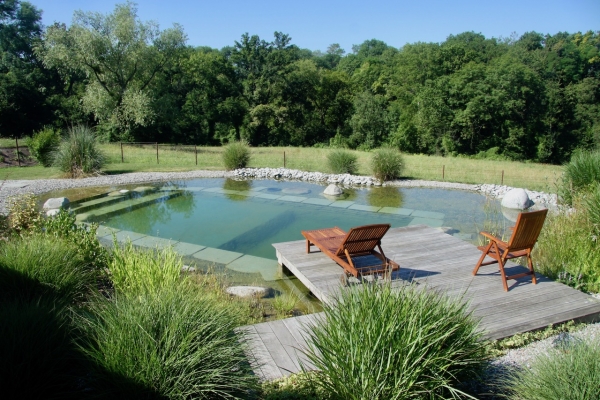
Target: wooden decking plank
x=260, y=358
x=436, y=261
x=277, y=351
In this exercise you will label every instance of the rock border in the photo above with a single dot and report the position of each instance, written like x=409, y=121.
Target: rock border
x=9, y=188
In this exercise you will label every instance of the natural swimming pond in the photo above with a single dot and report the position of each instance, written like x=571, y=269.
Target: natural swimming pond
x=232, y=224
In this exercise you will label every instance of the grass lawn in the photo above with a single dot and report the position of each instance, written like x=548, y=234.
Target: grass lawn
x=138, y=158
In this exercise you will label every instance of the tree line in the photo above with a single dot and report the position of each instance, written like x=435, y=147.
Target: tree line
x=533, y=97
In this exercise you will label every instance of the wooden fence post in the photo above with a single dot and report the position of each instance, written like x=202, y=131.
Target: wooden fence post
x=157, y=152
x=284, y=159
x=443, y=172
x=196, y=152
x=18, y=157
x=122, y=161
x=502, y=180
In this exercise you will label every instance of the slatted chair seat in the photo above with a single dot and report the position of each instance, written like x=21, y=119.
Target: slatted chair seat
x=523, y=238
x=355, y=250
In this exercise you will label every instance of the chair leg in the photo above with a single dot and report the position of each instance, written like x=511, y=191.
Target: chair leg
x=530, y=265
x=484, y=253
x=503, y=275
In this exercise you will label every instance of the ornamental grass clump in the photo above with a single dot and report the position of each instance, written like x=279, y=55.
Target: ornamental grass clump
x=569, y=371
x=136, y=271
x=236, y=155
x=78, y=154
x=172, y=343
x=379, y=343
x=342, y=162
x=387, y=163
x=580, y=173
x=42, y=144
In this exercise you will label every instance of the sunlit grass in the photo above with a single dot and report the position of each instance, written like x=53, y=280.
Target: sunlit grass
x=142, y=158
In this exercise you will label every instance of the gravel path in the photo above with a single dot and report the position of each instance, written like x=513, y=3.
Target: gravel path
x=519, y=357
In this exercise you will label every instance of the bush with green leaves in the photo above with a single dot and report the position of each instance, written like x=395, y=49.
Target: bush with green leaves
x=173, y=343
x=23, y=214
x=236, y=155
x=376, y=342
x=43, y=144
x=387, y=163
x=78, y=154
x=580, y=173
x=342, y=162
x=569, y=371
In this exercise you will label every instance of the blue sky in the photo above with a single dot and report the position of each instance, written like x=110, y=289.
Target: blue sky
x=317, y=24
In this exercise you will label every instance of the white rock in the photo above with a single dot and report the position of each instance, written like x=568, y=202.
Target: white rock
x=248, y=291
x=517, y=199
x=53, y=212
x=333, y=190
x=55, y=203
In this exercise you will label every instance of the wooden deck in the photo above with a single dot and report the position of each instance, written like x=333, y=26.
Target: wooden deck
x=432, y=258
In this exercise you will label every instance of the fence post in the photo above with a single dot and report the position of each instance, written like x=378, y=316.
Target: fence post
x=157, y=152
x=196, y=152
x=502, y=181
x=18, y=157
x=284, y=159
x=443, y=172
x=122, y=152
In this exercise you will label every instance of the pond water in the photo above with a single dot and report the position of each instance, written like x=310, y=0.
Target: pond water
x=232, y=224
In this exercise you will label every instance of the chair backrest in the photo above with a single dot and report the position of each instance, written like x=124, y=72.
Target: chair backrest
x=527, y=229
x=362, y=239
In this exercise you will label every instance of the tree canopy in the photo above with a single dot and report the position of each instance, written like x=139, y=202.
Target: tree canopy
x=533, y=97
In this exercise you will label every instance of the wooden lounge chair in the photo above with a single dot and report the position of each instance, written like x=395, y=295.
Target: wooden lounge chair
x=354, y=251
x=523, y=238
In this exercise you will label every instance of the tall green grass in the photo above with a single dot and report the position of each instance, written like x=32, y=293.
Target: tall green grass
x=40, y=266
x=387, y=163
x=136, y=271
x=78, y=154
x=172, y=343
x=379, y=343
x=571, y=371
x=342, y=161
x=580, y=173
x=236, y=155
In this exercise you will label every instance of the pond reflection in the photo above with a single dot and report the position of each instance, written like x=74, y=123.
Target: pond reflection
x=239, y=186
x=385, y=196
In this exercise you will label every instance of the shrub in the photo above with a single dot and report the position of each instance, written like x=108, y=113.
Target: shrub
x=571, y=371
x=380, y=343
x=23, y=214
x=43, y=267
x=387, y=163
x=42, y=144
x=582, y=171
x=78, y=155
x=342, y=162
x=175, y=343
x=39, y=360
x=143, y=271
x=83, y=237
x=236, y=155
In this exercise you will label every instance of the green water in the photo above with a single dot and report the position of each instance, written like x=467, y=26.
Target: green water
x=251, y=215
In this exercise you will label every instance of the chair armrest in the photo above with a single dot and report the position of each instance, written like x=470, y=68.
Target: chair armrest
x=493, y=238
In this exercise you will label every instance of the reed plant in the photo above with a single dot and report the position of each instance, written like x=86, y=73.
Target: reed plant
x=236, y=155
x=592, y=205
x=137, y=271
x=379, y=343
x=569, y=371
x=342, y=161
x=285, y=304
x=78, y=154
x=387, y=163
x=174, y=342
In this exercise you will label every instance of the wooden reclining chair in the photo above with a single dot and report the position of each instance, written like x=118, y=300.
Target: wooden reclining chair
x=350, y=250
x=524, y=236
